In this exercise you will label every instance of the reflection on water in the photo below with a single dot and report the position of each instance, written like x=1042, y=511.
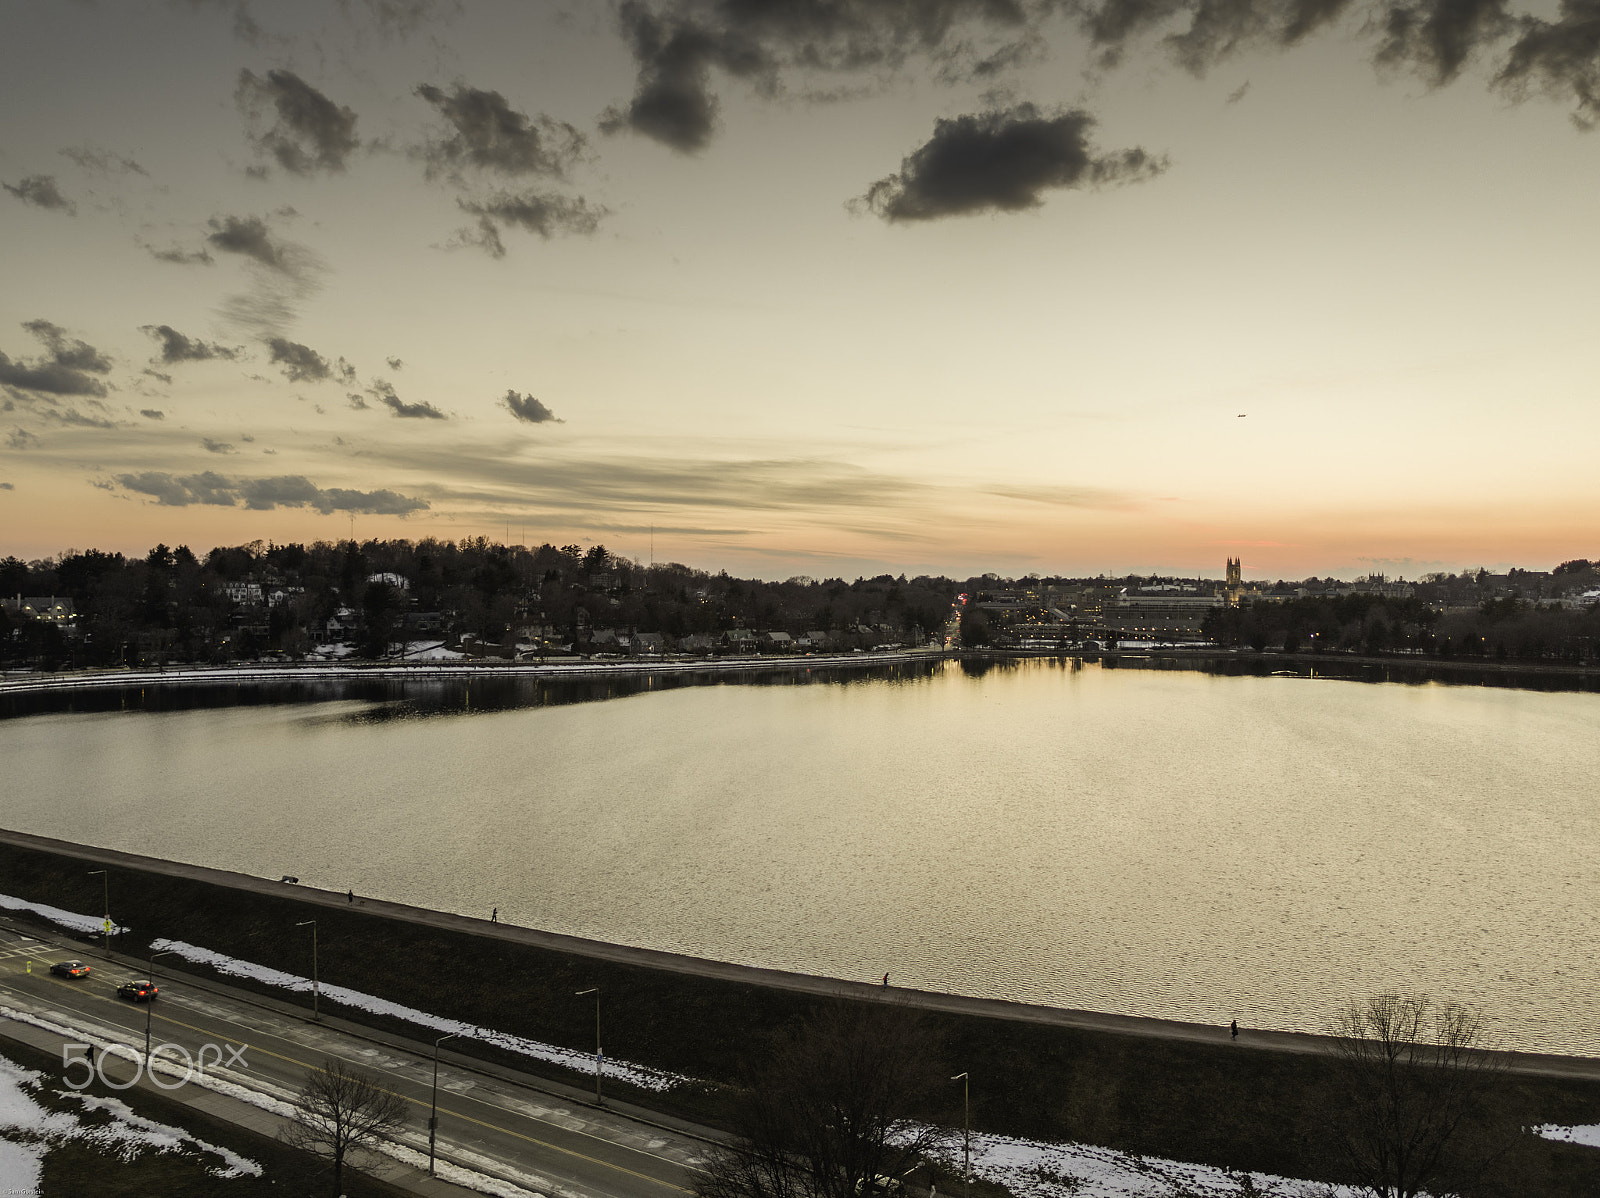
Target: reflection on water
x=1150, y=841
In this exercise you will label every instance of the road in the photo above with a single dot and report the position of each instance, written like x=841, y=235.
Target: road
x=489, y=1120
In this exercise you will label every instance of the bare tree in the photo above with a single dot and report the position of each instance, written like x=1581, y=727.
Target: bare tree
x=832, y=1112
x=341, y=1110
x=1414, y=1075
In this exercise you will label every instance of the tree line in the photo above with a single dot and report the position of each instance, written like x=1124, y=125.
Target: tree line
x=174, y=606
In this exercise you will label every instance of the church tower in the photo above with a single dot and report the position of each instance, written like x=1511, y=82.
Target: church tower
x=1235, y=580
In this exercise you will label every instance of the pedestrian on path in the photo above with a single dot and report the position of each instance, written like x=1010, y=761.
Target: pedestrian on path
x=886, y=981
x=1234, y=1028
x=351, y=895
x=495, y=918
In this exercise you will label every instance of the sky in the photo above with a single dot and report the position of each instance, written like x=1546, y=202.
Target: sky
x=811, y=287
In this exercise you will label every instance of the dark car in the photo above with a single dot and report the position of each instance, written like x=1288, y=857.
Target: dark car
x=70, y=969
x=138, y=991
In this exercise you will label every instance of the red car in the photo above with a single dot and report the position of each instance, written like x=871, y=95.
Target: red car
x=70, y=969
x=138, y=991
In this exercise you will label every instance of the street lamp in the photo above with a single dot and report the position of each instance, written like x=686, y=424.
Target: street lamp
x=598, y=1054
x=150, y=1003
x=105, y=887
x=433, y=1117
x=966, y=1133
x=316, y=986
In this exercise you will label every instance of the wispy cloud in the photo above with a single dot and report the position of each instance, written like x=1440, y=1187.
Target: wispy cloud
x=264, y=494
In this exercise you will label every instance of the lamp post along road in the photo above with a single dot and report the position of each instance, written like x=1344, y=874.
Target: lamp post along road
x=433, y=1117
x=316, y=986
x=150, y=1003
x=105, y=893
x=966, y=1133
x=598, y=1054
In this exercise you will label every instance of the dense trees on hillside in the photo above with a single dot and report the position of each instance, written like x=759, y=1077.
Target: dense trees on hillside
x=259, y=599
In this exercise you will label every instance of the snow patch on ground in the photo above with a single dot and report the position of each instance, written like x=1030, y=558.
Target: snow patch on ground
x=1587, y=1134
x=66, y=919
x=29, y=1130
x=1034, y=1169
x=430, y=651
x=638, y=1075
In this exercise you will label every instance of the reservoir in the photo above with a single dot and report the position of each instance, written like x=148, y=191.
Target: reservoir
x=1151, y=842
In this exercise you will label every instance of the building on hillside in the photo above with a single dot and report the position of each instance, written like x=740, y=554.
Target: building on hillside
x=1158, y=617
x=1235, y=582
x=54, y=609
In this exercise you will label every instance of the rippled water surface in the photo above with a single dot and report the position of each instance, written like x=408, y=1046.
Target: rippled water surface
x=1149, y=842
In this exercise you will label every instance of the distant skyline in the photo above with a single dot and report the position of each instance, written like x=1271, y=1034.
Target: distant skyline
x=821, y=287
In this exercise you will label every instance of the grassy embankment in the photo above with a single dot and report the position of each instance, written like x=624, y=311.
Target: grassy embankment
x=1219, y=1104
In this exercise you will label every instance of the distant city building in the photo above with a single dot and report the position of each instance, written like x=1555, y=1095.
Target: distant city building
x=1235, y=583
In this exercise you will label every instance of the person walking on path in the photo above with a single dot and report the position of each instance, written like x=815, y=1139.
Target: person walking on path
x=495, y=917
x=886, y=981
x=351, y=895
x=1234, y=1028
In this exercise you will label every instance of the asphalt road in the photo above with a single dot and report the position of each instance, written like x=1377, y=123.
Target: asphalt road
x=487, y=1122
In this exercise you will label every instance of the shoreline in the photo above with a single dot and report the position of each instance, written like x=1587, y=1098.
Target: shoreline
x=333, y=672
x=1408, y=669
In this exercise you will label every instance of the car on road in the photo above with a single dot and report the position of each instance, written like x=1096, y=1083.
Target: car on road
x=70, y=969
x=138, y=991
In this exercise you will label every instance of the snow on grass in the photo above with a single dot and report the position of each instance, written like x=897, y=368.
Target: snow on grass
x=1036, y=1169
x=65, y=919
x=638, y=1075
x=1587, y=1134
x=29, y=1129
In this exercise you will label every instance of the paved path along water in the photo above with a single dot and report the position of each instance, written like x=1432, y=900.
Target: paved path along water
x=1248, y=1039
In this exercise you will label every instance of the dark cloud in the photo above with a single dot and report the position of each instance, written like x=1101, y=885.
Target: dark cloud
x=1559, y=58
x=1437, y=37
x=1001, y=161
x=250, y=236
x=532, y=211
x=21, y=439
x=357, y=400
x=395, y=363
x=286, y=274
x=301, y=363
x=263, y=494
x=8, y=487
x=152, y=413
x=676, y=49
x=1215, y=28
x=157, y=375
x=42, y=192
x=68, y=366
x=103, y=162
x=673, y=103
x=1238, y=93
x=311, y=132
x=488, y=134
x=384, y=393
x=175, y=347
x=528, y=409
x=211, y=446
x=181, y=257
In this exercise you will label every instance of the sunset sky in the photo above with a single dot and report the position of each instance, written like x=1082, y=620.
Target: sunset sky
x=807, y=286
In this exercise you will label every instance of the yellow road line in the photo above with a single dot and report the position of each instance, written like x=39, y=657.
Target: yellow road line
x=414, y=1101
